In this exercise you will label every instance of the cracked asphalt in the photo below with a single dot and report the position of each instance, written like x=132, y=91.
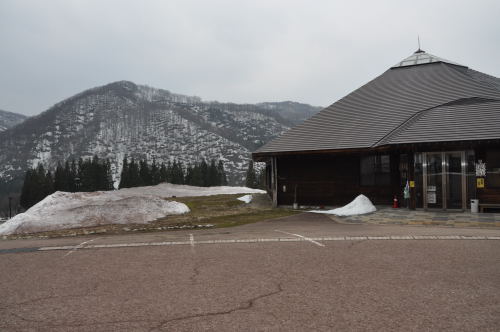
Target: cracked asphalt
x=425, y=284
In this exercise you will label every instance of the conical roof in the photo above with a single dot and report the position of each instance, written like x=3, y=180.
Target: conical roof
x=368, y=116
x=422, y=58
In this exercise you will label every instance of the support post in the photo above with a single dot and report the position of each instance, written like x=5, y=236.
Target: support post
x=274, y=168
x=411, y=177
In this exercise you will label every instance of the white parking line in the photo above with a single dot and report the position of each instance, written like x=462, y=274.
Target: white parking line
x=79, y=246
x=302, y=237
x=296, y=238
x=191, y=242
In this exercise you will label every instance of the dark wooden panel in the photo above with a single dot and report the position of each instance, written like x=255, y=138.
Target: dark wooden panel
x=328, y=180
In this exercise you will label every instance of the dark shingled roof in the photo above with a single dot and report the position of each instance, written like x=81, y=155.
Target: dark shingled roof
x=406, y=104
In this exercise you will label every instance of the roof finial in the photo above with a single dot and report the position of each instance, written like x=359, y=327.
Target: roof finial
x=419, y=50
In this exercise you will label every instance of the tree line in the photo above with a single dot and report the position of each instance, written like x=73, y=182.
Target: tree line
x=254, y=178
x=95, y=174
x=85, y=175
x=140, y=173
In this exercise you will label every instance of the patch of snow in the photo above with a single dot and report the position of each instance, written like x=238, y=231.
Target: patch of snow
x=360, y=205
x=139, y=205
x=247, y=198
x=177, y=190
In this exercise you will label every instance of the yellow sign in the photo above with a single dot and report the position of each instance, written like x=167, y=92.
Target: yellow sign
x=412, y=184
x=480, y=182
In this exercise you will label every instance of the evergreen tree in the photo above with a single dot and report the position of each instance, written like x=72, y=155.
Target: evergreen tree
x=169, y=172
x=177, y=173
x=196, y=176
x=108, y=182
x=155, y=173
x=97, y=174
x=251, y=180
x=163, y=173
x=221, y=174
x=145, y=173
x=204, y=173
x=134, y=176
x=212, y=176
x=37, y=185
x=60, y=180
x=67, y=183
x=73, y=179
x=27, y=198
x=124, y=176
x=188, y=179
x=261, y=179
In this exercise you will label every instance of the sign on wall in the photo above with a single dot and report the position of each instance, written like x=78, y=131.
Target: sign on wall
x=480, y=182
x=431, y=197
x=480, y=168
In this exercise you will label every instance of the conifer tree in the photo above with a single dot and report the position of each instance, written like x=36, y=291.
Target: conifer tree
x=27, y=198
x=196, y=176
x=221, y=174
x=212, y=176
x=169, y=172
x=163, y=173
x=188, y=178
x=155, y=173
x=108, y=181
x=177, y=173
x=144, y=173
x=203, y=173
x=134, y=176
x=251, y=180
x=60, y=181
x=73, y=176
x=124, y=176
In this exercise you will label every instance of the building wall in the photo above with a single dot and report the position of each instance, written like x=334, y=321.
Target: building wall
x=491, y=191
x=330, y=180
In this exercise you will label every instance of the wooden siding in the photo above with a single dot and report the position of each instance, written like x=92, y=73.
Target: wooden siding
x=329, y=180
x=487, y=194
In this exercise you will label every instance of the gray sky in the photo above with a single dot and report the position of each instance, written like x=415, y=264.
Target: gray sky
x=240, y=51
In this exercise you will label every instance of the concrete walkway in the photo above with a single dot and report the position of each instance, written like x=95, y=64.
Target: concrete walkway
x=403, y=216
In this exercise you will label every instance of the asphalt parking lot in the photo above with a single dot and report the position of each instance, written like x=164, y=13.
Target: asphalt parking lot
x=296, y=273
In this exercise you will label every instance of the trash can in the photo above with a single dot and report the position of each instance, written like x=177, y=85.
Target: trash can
x=474, y=205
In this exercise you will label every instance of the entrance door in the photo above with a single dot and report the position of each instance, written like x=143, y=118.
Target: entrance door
x=444, y=180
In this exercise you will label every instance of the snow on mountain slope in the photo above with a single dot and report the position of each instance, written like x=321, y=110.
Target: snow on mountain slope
x=123, y=118
x=9, y=119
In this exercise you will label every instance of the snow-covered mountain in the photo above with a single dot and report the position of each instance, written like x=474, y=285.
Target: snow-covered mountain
x=9, y=119
x=123, y=118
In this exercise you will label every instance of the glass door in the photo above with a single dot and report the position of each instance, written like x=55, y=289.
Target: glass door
x=454, y=180
x=433, y=188
x=444, y=180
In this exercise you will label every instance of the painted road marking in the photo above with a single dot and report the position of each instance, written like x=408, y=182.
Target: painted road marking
x=302, y=237
x=79, y=246
x=296, y=238
x=191, y=242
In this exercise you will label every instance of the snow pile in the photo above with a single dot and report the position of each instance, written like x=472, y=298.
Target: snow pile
x=177, y=190
x=247, y=198
x=140, y=205
x=360, y=205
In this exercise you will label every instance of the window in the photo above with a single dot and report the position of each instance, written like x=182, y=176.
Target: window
x=375, y=170
x=493, y=169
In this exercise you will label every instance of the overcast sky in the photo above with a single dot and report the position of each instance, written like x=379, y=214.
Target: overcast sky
x=239, y=51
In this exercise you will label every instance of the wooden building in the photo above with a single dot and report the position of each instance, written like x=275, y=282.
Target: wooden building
x=426, y=121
